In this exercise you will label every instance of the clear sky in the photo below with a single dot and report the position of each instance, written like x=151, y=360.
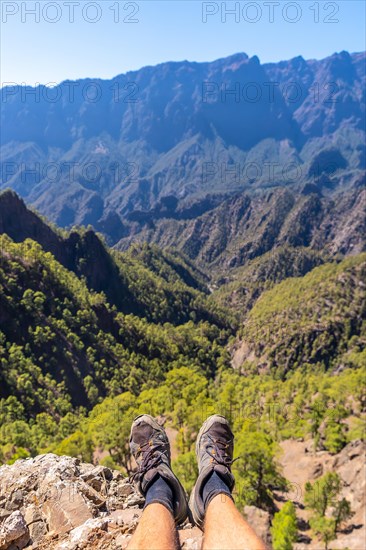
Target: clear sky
x=79, y=38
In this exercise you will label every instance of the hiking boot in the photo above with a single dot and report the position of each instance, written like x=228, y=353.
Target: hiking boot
x=214, y=451
x=150, y=447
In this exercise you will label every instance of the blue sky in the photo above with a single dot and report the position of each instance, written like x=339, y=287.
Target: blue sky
x=109, y=37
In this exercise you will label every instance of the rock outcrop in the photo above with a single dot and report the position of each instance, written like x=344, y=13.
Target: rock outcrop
x=14, y=532
x=59, y=503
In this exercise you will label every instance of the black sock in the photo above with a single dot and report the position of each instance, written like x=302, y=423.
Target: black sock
x=214, y=485
x=161, y=492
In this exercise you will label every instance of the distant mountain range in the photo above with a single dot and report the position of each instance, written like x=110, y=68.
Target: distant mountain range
x=242, y=227
x=166, y=152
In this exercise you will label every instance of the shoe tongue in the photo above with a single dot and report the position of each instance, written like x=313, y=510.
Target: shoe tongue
x=221, y=431
x=142, y=433
x=221, y=470
x=224, y=434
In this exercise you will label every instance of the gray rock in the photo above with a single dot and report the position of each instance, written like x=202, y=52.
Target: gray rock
x=4, y=514
x=59, y=494
x=129, y=517
x=134, y=499
x=37, y=531
x=90, y=493
x=190, y=538
x=125, y=489
x=79, y=536
x=121, y=542
x=16, y=500
x=36, y=523
x=32, y=514
x=14, y=530
x=67, y=511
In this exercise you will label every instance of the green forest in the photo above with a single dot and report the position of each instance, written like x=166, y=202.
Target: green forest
x=280, y=351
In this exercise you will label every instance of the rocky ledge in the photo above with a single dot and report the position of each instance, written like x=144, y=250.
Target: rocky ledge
x=60, y=503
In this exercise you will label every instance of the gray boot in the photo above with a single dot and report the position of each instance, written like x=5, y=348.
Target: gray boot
x=150, y=447
x=214, y=451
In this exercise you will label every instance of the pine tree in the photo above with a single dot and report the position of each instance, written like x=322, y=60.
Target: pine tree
x=284, y=528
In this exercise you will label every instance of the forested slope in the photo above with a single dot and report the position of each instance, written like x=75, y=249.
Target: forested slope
x=278, y=348
x=145, y=281
x=319, y=319
x=63, y=345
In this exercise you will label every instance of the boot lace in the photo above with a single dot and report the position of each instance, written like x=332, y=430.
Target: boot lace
x=219, y=452
x=152, y=456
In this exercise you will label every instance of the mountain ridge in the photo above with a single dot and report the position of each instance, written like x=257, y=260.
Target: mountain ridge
x=172, y=130
x=235, y=285
x=73, y=363
x=178, y=285
x=243, y=227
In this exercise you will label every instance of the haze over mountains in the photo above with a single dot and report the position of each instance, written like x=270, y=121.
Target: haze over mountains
x=164, y=153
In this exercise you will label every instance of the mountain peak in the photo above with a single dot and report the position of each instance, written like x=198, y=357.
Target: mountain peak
x=21, y=223
x=9, y=196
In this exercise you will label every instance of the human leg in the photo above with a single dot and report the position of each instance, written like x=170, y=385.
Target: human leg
x=211, y=502
x=226, y=529
x=165, y=499
x=156, y=530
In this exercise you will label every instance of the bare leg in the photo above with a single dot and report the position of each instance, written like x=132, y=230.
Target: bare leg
x=226, y=529
x=155, y=531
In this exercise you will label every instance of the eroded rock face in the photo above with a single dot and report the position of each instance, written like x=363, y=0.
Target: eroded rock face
x=59, y=503
x=300, y=464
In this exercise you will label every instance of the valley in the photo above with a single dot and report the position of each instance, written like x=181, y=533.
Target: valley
x=175, y=246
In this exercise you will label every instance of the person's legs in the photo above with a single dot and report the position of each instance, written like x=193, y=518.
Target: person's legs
x=226, y=529
x=211, y=503
x=156, y=530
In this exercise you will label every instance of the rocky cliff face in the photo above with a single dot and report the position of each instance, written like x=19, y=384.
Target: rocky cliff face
x=301, y=464
x=244, y=227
